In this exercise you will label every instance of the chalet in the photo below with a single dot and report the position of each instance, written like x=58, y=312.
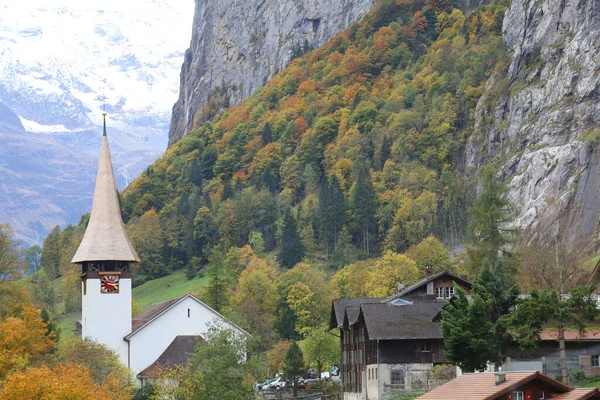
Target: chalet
x=508, y=386
x=392, y=342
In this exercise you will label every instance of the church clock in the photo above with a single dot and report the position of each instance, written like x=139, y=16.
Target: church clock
x=109, y=284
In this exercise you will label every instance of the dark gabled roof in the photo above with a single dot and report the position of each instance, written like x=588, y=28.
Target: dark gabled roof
x=482, y=386
x=338, y=309
x=151, y=312
x=177, y=353
x=386, y=321
x=411, y=288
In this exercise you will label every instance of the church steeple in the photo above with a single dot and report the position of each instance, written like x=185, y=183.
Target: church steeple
x=105, y=255
x=105, y=237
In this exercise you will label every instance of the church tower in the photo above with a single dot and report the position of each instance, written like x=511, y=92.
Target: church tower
x=105, y=255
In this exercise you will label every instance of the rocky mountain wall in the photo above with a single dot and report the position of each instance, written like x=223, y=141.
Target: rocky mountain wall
x=237, y=46
x=539, y=121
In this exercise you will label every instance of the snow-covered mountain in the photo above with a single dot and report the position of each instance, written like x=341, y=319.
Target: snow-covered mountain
x=60, y=62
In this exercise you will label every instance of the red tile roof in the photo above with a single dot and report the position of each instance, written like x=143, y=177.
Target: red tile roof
x=579, y=394
x=483, y=386
x=571, y=334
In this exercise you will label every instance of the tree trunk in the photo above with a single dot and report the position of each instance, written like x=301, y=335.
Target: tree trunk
x=563, y=355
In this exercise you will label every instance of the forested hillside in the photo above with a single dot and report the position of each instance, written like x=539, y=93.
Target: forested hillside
x=347, y=159
x=361, y=140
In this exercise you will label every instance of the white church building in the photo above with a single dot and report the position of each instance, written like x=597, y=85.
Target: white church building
x=162, y=335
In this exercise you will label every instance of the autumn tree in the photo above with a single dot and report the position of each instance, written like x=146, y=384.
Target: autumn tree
x=390, y=270
x=321, y=349
x=23, y=338
x=63, y=382
x=255, y=299
x=431, y=252
x=102, y=362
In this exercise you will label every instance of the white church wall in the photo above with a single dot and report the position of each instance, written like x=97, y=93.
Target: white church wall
x=147, y=344
x=107, y=316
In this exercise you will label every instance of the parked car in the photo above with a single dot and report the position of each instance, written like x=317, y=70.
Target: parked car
x=266, y=383
x=276, y=383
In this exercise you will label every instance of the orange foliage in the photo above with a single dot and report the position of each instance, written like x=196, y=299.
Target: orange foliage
x=23, y=337
x=65, y=382
x=301, y=124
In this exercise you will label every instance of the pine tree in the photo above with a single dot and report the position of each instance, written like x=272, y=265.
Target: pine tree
x=490, y=216
x=293, y=366
x=50, y=258
x=332, y=210
x=216, y=292
x=363, y=204
x=291, y=249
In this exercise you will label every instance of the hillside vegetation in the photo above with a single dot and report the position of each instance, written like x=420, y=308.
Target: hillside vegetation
x=341, y=177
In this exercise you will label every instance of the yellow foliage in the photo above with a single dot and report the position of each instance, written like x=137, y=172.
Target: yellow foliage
x=23, y=337
x=390, y=270
x=65, y=382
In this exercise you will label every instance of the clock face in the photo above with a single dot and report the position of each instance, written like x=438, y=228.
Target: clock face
x=109, y=284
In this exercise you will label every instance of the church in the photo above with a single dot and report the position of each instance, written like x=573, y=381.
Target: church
x=162, y=335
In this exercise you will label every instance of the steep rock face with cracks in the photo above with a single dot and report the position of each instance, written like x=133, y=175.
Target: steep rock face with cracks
x=237, y=46
x=540, y=118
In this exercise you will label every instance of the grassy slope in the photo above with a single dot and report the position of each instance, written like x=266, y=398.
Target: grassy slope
x=155, y=291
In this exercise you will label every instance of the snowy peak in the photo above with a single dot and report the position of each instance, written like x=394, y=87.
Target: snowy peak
x=61, y=58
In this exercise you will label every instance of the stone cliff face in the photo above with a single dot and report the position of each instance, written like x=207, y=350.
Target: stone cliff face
x=539, y=120
x=237, y=46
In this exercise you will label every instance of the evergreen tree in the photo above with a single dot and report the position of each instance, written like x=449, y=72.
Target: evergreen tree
x=50, y=258
x=475, y=333
x=291, y=250
x=363, y=204
x=490, y=216
x=332, y=210
x=216, y=292
x=533, y=313
x=267, y=134
x=293, y=366
x=33, y=259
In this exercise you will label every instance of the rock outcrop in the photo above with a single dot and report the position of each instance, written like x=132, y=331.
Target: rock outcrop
x=539, y=120
x=237, y=46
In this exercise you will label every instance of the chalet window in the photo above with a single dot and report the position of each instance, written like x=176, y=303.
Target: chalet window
x=542, y=396
x=397, y=377
x=518, y=396
x=444, y=292
x=425, y=347
x=596, y=360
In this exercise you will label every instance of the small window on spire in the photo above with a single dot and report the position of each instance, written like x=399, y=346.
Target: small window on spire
x=188, y=312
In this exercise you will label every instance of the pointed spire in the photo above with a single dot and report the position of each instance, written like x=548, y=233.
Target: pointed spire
x=105, y=238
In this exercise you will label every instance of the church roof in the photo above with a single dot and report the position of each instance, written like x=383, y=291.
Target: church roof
x=177, y=353
x=153, y=312
x=105, y=237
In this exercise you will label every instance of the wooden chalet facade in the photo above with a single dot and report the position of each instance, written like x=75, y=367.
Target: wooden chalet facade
x=393, y=341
